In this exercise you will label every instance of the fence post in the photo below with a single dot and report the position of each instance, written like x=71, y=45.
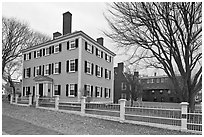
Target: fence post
x=16, y=100
x=122, y=110
x=184, y=111
x=37, y=101
x=56, y=102
x=83, y=105
x=11, y=99
x=30, y=100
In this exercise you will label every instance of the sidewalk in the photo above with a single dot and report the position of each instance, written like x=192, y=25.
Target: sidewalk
x=14, y=126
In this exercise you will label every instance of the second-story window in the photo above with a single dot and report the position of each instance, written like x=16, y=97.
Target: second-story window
x=158, y=80
x=162, y=80
x=152, y=80
x=72, y=65
x=56, y=70
x=38, y=53
x=107, y=74
x=47, y=51
x=123, y=86
x=98, y=71
x=56, y=50
x=38, y=70
x=47, y=69
x=72, y=45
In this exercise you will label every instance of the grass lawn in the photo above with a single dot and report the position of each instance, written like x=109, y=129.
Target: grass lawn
x=71, y=124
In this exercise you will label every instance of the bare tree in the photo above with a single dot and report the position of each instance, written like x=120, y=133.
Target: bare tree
x=162, y=35
x=15, y=37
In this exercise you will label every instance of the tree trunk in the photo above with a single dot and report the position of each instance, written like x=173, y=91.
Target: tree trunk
x=3, y=67
x=191, y=102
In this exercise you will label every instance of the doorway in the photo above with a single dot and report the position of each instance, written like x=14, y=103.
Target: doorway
x=40, y=90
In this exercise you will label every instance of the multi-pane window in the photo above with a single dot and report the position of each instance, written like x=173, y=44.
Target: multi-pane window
x=98, y=71
x=47, y=69
x=47, y=51
x=107, y=93
x=88, y=68
x=56, y=69
x=162, y=80
x=38, y=53
x=89, y=48
x=38, y=70
x=56, y=89
x=152, y=80
x=56, y=49
x=72, y=90
x=88, y=90
x=107, y=74
x=98, y=91
x=28, y=72
x=72, y=65
x=157, y=80
x=72, y=44
x=123, y=86
x=98, y=53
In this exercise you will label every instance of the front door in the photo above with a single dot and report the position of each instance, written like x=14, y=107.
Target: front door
x=40, y=90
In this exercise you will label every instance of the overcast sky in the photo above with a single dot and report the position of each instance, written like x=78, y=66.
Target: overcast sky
x=47, y=18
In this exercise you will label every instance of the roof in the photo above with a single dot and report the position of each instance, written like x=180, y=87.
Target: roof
x=67, y=36
x=42, y=78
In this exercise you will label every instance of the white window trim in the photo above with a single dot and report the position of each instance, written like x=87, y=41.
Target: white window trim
x=152, y=80
x=72, y=42
x=89, y=90
x=56, y=47
x=46, y=54
x=157, y=80
x=89, y=48
x=99, y=53
x=69, y=95
x=98, y=96
x=162, y=80
x=55, y=68
x=70, y=65
x=37, y=52
x=36, y=73
x=46, y=69
x=89, y=63
x=99, y=75
x=54, y=89
x=107, y=91
x=123, y=86
x=108, y=72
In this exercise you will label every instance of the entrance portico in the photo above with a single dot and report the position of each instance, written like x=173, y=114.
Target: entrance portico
x=43, y=86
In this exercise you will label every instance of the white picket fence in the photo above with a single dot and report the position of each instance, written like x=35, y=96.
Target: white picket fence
x=175, y=119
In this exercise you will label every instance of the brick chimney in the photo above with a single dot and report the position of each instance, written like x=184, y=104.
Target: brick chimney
x=100, y=40
x=120, y=67
x=56, y=34
x=67, y=23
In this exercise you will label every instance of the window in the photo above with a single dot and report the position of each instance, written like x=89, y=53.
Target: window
x=27, y=72
x=123, y=86
x=98, y=92
x=147, y=80
x=161, y=91
x=123, y=96
x=38, y=70
x=72, y=90
x=47, y=51
x=88, y=90
x=72, y=65
x=152, y=91
x=57, y=89
x=56, y=70
x=162, y=80
x=158, y=80
x=99, y=70
x=72, y=45
x=98, y=53
x=47, y=69
x=56, y=50
x=88, y=67
x=152, y=80
x=107, y=93
x=107, y=74
x=38, y=53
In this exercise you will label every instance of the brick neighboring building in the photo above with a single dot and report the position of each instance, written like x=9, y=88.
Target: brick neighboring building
x=68, y=65
x=155, y=88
